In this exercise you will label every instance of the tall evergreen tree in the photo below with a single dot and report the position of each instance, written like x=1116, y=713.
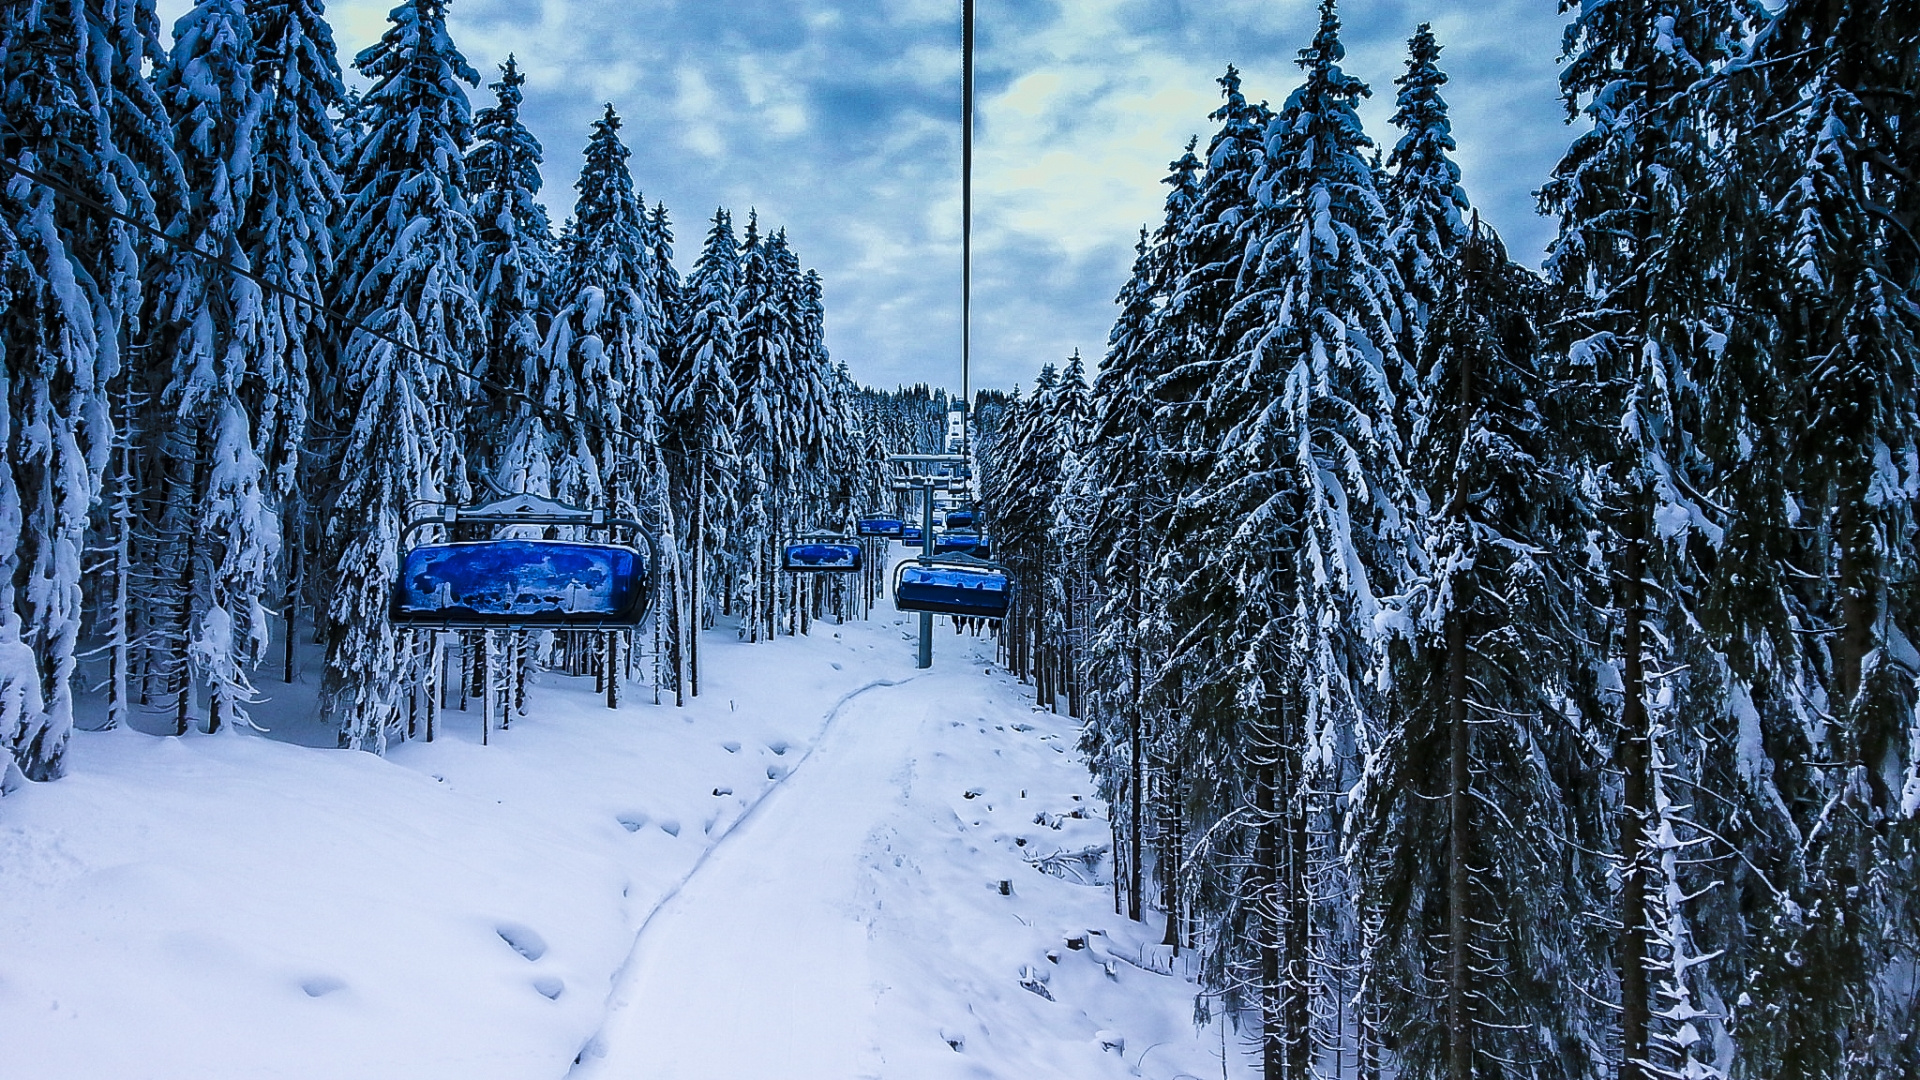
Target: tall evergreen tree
x=1306, y=519
x=79, y=107
x=700, y=404
x=606, y=333
x=1428, y=224
x=296, y=201
x=509, y=433
x=1472, y=828
x=408, y=245
x=1817, y=586
x=209, y=326
x=1120, y=497
x=1638, y=246
x=607, y=337
x=766, y=338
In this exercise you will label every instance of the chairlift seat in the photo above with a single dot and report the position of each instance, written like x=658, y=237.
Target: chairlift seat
x=812, y=555
x=523, y=584
x=956, y=585
x=881, y=526
x=961, y=541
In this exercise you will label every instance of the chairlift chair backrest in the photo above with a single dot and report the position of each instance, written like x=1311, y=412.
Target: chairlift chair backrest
x=960, y=542
x=881, y=526
x=822, y=554
x=524, y=583
x=953, y=585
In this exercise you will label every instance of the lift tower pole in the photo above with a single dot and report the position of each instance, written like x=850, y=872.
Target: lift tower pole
x=925, y=659
x=926, y=483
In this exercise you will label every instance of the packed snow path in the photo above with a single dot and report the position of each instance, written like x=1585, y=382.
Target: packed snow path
x=758, y=965
x=853, y=924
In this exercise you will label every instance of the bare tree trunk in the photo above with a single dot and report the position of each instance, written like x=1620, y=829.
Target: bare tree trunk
x=1173, y=845
x=1134, y=723
x=1299, y=1032
x=1459, y=1054
x=610, y=669
x=697, y=536
x=1269, y=924
x=1634, y=758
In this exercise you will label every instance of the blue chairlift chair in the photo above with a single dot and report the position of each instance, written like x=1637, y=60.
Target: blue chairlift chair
x=953, y=585
x=524, y=583
x=824, y=553
x=960, y=542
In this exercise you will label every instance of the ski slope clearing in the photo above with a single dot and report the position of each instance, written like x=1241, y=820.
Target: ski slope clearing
x=796, y=876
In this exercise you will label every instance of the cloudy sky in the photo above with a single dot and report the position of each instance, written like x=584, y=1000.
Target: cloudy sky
x=840, y=121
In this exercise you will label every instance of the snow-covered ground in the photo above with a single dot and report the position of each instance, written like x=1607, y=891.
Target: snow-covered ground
x=797, y=876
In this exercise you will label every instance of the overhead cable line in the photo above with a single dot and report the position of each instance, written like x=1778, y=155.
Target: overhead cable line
x=966, y=205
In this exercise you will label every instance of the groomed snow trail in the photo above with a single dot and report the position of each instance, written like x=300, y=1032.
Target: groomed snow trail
x=854, y=924
x=757, y=965
x=741, y=945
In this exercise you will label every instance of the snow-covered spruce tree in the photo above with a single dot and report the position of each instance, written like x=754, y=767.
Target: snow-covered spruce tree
x=606, y=336
x=1832, y=123
x=77, y=107
x=1017, y=499
x=699, y=411
x=1071, y=585
x=1304, y=518
x=801, y=413
x=667, y=285
x=407, y=249
x=295, y=204
x=833, y=462
x=1644, y=252
x=208, y=327
x=508, y=436
x=1469, y=832
x=508, y=439
x=1204, y=244
x=748, y=509
x=1114, y=495
x=1127, y=462
x=606, y=329
x=1427, y=201
x=776, y=422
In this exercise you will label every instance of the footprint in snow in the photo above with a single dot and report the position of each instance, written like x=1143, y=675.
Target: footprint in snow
x=779, y=747
x=525, y=940
x=549, y=987
x=730, y=746
x=670, y=827
x=321, y=985
x=632, y=821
